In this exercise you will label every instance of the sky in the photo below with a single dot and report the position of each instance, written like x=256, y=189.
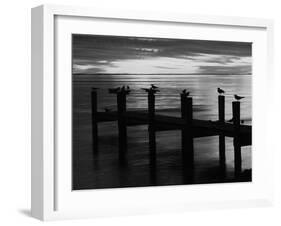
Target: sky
x=137, y=55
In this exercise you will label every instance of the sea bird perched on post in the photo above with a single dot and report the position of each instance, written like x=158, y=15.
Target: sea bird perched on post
x=220, y=91
x=151, y=90
x=238, y=97
x=114, y=90
x=154, y=87
x=127, y=90
x=185, y=93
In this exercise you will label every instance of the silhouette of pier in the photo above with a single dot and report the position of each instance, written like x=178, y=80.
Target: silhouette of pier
x=190, y=128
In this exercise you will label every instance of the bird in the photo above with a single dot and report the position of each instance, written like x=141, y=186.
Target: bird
x=154, y=87
x=220, y=91
x=185, y=93
x=238, y=97
x=128, y=87
x=150, y=90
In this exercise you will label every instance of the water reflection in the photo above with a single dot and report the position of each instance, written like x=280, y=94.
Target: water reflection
x=104, y=170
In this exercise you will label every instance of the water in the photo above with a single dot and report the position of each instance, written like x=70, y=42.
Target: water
x=104, y=172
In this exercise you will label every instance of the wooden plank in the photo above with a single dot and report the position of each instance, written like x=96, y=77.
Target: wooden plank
x=163, y=122
x=246, y=140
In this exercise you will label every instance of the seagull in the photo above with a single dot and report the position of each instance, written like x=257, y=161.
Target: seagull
x=114, y=90
x=150, y=90
x=154, y=87
x=185, y=93
x=238, y=97
x=220, y=91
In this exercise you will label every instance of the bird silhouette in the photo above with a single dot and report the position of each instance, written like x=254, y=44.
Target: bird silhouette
x=150, y=90
x=107, y=109
x=114, y=90
x=220, y=91
x=238, y=97
x=154, y=87
x=185, y=93
x=128, y=87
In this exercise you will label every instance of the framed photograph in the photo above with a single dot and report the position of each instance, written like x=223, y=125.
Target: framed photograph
x=137, y=112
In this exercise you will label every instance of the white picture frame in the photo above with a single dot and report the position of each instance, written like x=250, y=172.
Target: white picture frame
x=47, y=187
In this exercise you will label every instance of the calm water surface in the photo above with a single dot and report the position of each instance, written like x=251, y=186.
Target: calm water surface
x=104, y=171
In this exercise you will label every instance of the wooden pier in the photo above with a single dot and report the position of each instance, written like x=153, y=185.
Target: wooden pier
x=190, y=129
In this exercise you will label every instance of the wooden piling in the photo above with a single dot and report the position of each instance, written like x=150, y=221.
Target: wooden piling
x=221, y=110
x=122, y=128
x=236, y=139
x=151, y=128
x=94, y=121
x=187, y=138
x=183, y=131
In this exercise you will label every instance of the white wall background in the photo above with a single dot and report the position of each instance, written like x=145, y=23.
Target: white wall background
x=15, y=112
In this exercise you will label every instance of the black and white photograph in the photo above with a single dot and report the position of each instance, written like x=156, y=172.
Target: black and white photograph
x=150, y=111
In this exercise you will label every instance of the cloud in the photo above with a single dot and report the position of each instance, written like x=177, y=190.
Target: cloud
x=100, y=54
x=226, y=70
x=164, y=67
x=86, y=68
